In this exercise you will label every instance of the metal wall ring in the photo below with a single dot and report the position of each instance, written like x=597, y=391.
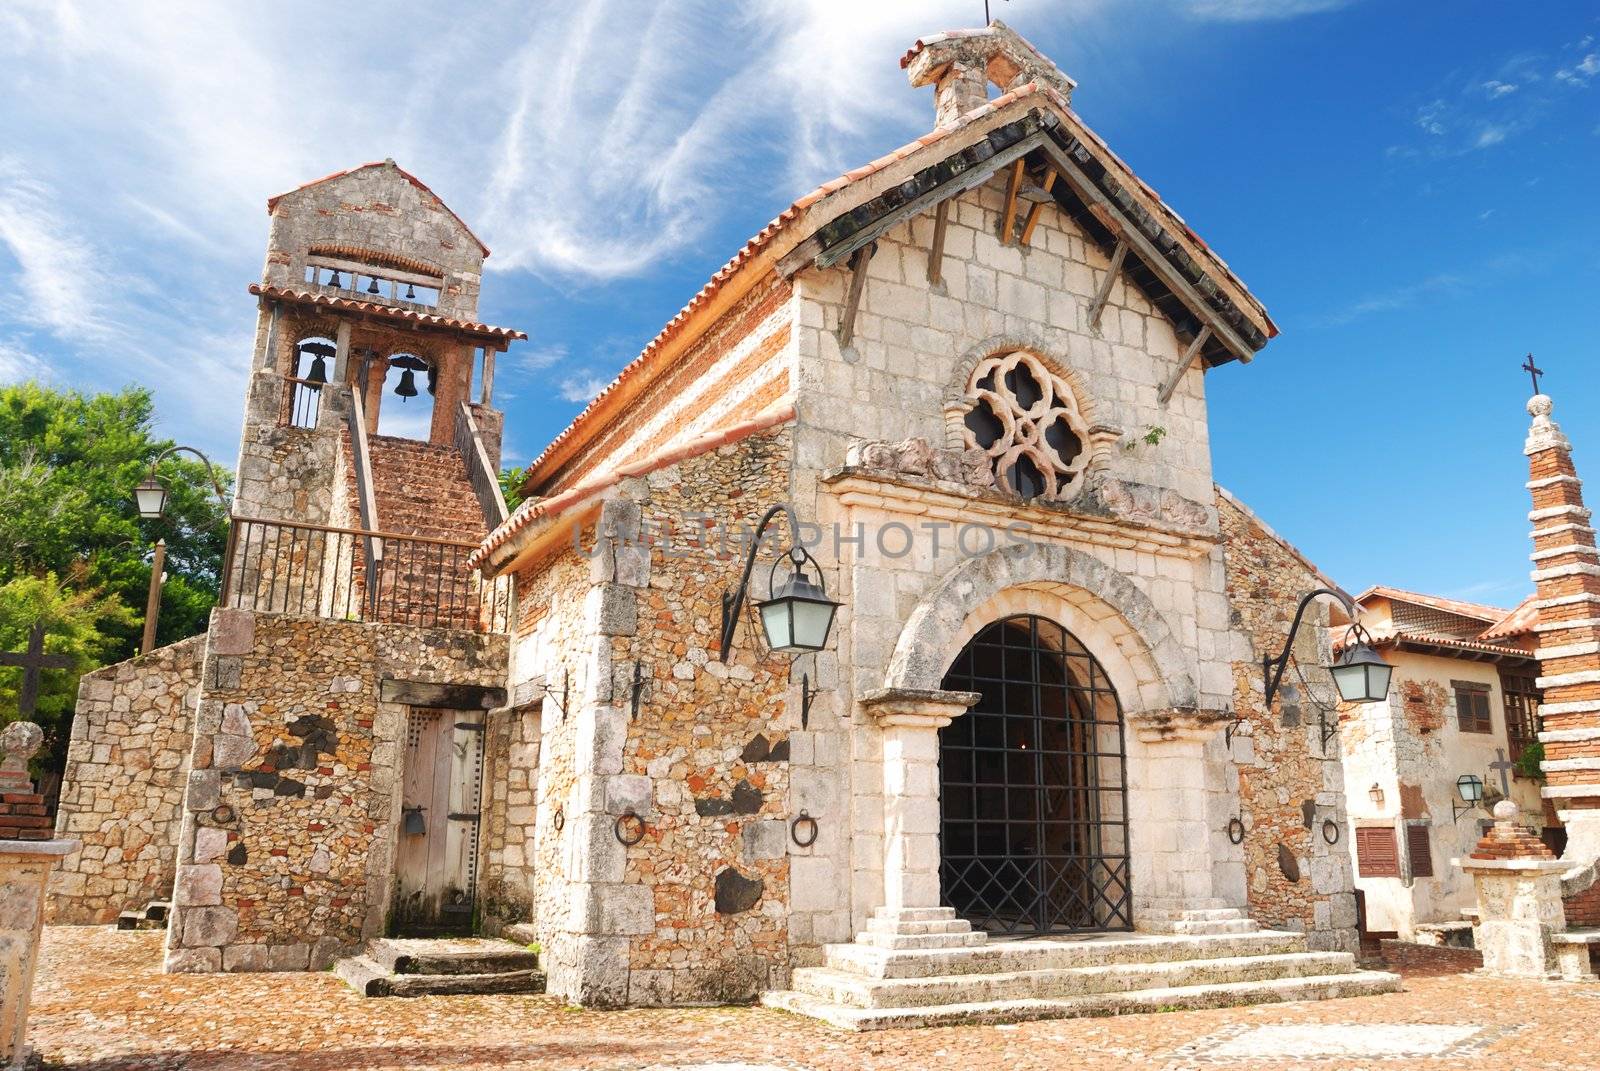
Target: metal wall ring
x=625, y=838
x=1330, y=831
x=810, y=824
x=559, y=819
x=1236, y=830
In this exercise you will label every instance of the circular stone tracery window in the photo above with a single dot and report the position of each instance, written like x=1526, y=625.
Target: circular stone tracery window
x=1025, y=418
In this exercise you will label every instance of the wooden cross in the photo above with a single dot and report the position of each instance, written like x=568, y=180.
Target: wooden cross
x=1534, y=372
x=32, y=661
x=1502, y=764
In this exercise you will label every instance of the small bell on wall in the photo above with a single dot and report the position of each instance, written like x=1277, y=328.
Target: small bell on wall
x=372, y=285
x=319, y=370
x=336, y=282
x=411, y=292
x=433, y=380
x=407, y=387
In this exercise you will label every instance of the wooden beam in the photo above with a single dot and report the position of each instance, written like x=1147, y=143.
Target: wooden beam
x=1190, y=355
x=941, y=219
x=486, y=389
x=852, y=301
x=1008, y=220
x=1152, y=257
x=448, y=696
x=1118, y=255
x=1038, y=207
x=811, y=252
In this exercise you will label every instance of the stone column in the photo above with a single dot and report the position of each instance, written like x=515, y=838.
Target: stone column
x=1520, y=916
x=1169, y=834
x=25, y=866
x=910, y=720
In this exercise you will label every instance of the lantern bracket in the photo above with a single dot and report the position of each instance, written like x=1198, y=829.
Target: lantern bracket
x=733, y=602
x=1272, y=668
x=216, y=485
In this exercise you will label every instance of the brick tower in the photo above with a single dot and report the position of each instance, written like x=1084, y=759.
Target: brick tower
x=1567, y=575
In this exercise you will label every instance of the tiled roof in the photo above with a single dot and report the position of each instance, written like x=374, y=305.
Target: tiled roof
x=540, y=509
x=272, y=202
x=766, y=237
x=373, y=308
x=1487, y=614
x=1443, y=643
x=1518, y=622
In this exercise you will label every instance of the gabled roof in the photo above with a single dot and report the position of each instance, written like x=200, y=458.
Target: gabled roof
x=272, y=202
x=1486, y=614
x=1519, y=622
x=850, y=200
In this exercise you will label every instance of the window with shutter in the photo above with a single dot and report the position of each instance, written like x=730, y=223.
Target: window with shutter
x=1472, y=707
x=1377, y=852
x=1419, y=848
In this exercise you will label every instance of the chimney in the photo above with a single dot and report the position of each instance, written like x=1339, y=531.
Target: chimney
x=1566, y=573
x=961, y=65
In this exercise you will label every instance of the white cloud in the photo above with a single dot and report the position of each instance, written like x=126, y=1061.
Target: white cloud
x=18, y=364
x=1260, y=10
x=536, y=356
x=1496, y=88
x=57, y=271
x=1489, y=135
x=582, y=387
x=1581, y=72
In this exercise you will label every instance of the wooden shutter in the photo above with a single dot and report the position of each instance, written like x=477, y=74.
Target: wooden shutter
x=1472, y=707
x=1420, y=849
x=1377, y=852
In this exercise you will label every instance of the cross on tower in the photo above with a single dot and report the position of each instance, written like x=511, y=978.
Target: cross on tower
x=32, y=661
x=1534, y=372
x=1501, y=765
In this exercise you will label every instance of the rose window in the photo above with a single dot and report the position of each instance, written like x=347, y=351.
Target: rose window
x=1025, y=419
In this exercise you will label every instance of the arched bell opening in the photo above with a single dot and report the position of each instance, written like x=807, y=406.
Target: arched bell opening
x=409, y=384
x=311, y=368
x=1033, y=786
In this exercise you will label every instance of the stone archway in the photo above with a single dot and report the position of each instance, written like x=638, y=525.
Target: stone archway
x=953, y=612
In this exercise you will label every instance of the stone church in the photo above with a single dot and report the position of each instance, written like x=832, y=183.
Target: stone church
x=1026, y=772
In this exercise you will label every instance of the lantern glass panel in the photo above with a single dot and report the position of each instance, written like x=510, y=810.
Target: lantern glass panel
x=152, y=499
x=777, y=619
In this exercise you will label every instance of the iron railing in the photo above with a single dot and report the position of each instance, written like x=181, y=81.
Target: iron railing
x=485, y=482
x=354, y=574
x=302, y=403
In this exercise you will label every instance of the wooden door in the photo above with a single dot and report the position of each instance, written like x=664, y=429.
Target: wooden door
x=436, y=864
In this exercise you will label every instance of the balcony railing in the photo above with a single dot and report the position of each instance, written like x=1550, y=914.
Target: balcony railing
x=350, y=574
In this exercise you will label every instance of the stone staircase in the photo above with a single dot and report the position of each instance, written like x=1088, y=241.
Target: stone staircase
x=926, y=967
x=402, y=967
x=423, y=490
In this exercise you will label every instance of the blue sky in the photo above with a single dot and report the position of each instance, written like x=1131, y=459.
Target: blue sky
x=1409, y=187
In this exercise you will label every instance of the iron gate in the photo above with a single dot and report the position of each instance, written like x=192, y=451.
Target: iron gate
x=1033, y=794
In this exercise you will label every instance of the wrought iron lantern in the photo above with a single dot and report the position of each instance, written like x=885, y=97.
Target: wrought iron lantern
x=797, y=615
x=1360, y=672
x=1375, y=794
x=1469, y=787
x=151, y=495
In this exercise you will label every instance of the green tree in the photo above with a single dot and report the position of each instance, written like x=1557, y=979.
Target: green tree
x=79, y=622
x=68, y=465
x=511, y=486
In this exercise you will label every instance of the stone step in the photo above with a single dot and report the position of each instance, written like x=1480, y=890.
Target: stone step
x=450, y=956
x=915, y=914
x=369, y=978
x=135, y=920
x=909, y=926
x=840, y=987
x=1226, y=994
x=967, y=939
x=521, y=933
x=1005, y=957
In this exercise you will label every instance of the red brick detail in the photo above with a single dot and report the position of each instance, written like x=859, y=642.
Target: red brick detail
x=1412, y=958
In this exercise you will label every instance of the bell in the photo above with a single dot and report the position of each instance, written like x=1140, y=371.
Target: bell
x=413, y=825
x=319, y=370
x=433, y=375
x=408, y=384
x=411, y=292
x=372, y=285
x=336, y=281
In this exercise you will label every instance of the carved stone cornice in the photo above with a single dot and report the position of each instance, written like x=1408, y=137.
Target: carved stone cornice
x=1178, y=723
x=915, y=707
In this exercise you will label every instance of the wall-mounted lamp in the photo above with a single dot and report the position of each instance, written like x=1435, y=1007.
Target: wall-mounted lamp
x=1375, y=794
x=797, y=615
x=1360, y=673
x=1469, y=788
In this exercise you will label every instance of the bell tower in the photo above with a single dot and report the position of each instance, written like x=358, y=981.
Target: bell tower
x=368, y=312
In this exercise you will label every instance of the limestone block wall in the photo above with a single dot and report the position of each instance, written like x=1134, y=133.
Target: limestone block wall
x=1288, y=785
x=510, y=779
x=375, y=209
x=292, y=806
x=122, y=792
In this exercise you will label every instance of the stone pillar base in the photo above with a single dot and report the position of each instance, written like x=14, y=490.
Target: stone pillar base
x=1192, y=918
x=919, y=927
x=25, y=867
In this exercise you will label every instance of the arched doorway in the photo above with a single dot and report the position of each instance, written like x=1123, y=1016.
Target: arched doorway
x=1033, y=793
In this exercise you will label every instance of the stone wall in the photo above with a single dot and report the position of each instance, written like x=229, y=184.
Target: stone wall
x=1410, y=957
x=291, y=813
x=1289, y=785
x=511, y=765
x=122, y=791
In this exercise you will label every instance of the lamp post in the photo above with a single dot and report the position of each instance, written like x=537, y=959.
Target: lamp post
x=1360, y=673
x=797, y=614
x=151, y=498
